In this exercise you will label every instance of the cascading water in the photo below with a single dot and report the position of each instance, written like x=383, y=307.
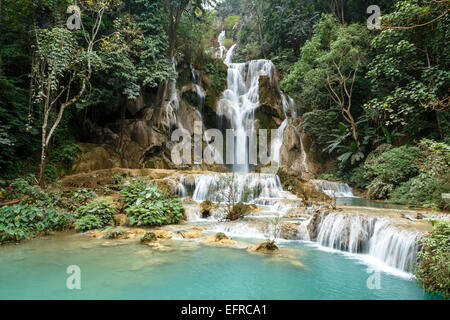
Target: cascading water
x=334, y=189
x=372, y=236
x=240, y=101
x=173, y=105
x=221, y=40
x=246, y=187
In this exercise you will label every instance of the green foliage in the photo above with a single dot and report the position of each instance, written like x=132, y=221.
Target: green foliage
x=239, y=211
x=433, y=271
x=269, y=245
x=409, y=72
x=148, y=206
x=66, y=154
x=149, y=237
x=132, y=190
x=389, y=169
x=19, y=222
x=97, y=214
x=433, y=180
x=393, y=166
x=220, y=236
x=113, y=233
x=79, y=198
x=217, y=72
x=155, y=213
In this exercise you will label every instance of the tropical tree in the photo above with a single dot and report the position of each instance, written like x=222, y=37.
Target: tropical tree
x=327, y=73
x=61, y=64
x=409, y=72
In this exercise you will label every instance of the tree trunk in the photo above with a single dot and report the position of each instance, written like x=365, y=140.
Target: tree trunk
x=261, y=36
x=122, y=127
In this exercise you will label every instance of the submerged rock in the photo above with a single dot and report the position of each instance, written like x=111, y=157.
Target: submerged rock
x=221, y=239
x=163, y=234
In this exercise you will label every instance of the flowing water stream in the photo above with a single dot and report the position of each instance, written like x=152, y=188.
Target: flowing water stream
x=373, y=237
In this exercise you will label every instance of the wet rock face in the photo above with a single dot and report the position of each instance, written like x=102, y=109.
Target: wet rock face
x=313, y=227
x=95, y=157
x=290, y=231
x=270, y=104
x=291, y=153
x=206, y=208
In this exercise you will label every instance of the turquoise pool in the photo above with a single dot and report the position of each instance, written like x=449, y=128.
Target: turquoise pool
x=37, y=270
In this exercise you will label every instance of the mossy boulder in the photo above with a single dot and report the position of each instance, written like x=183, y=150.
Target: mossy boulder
x=95, y=157
x=149, y=237
x=269, y=246
x=293, y=182
x=269, y=97
x=206, y=208
x=239, y=211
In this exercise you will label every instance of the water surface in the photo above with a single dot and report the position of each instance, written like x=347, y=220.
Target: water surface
x=37, y=270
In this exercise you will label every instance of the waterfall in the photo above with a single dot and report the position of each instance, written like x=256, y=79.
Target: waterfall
x=222, y=48
x=246, y=187
x=372, y=236
x=334, y=189
x=173, y=106
x=240, y=100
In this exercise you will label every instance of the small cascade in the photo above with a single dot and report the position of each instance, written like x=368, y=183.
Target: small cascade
x=278, y=142
x=245, y=187
x=173, y=106
x=333, y=189
x=222, y=48
x=372, y=236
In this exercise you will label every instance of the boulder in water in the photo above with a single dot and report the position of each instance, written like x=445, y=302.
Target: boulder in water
x=149, y=237
x=239, y=211
x=206, y=208
x=268, y=247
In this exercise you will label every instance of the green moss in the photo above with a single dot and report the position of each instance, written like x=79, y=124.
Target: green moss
x=239, y=211
x=149, y=237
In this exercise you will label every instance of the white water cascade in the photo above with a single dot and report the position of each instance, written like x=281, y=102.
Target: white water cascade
x=372, y=236
x=334, y=189
x=173, y=105
x=246, y=187
x=240, y=101
x=222, y=48
x=369, y=236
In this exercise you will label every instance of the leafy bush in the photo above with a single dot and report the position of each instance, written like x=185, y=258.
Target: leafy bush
x=95, y=215
x=66, y=154
x=149, y=206
x=113, y=233
x=155, y=213
x=131, y=190
x=424, y=191
x=388, y=169
x=239, y=211
x=427, y=188
x=358, y=177
x=269, y=245
x=89, y=222
x=78, y=198
x=149, y=237
x=23, y=221
x=220, y=236
x=433, y=271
